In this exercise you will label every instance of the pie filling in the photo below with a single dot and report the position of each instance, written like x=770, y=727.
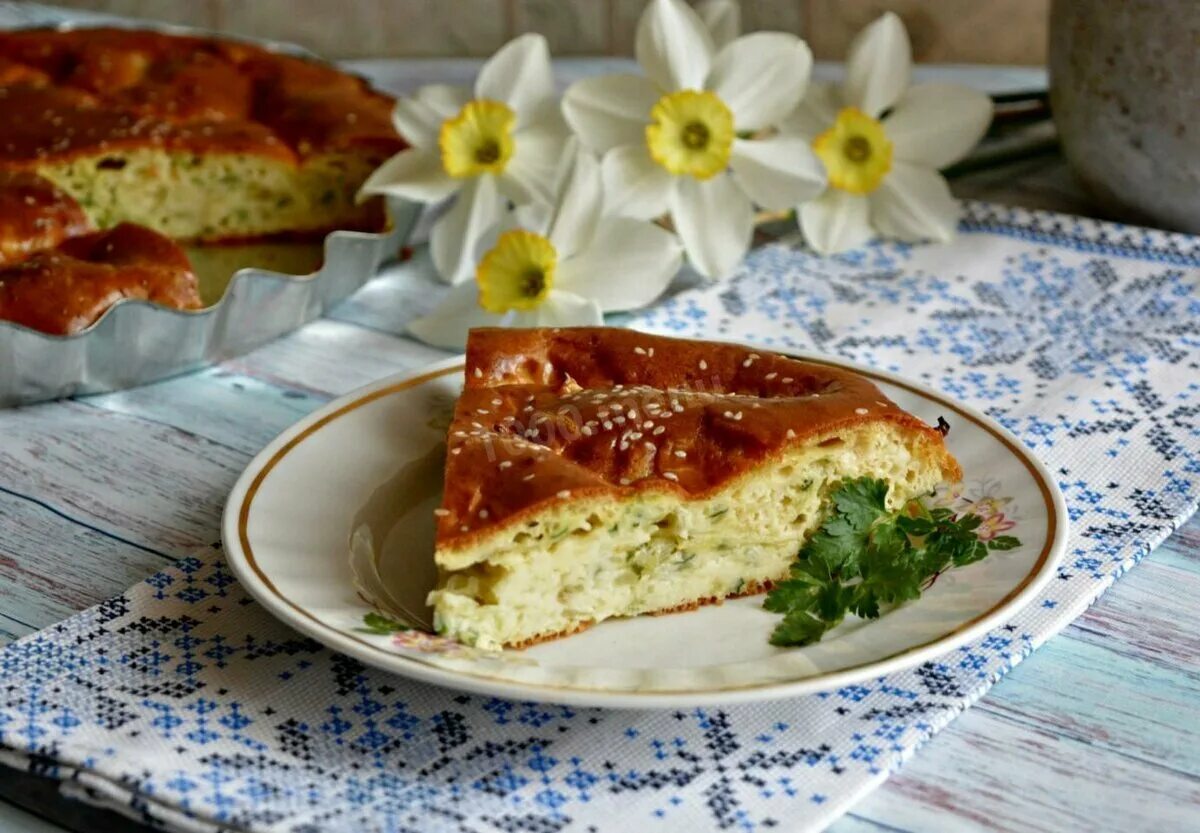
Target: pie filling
x=586, y=560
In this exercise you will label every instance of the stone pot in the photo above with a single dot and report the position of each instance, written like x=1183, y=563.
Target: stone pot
x=1125, y=91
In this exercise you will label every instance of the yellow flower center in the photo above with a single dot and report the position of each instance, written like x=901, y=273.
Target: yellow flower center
x=856, y=151
x=691, y=133
x=478, y=140
x=517, y=273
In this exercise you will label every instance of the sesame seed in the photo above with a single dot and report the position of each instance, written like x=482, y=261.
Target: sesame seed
x=641, y=351
x=624, y=445
x=787, y=380
x=747, y=362
x=648, y=423
x=456, y=451
x=771, y=375
x=738, y=415
x=478, y=373
x=565, y=493
x=861, y=411
x=650, y=352
x=506, y=464
x=481, y=410
x=483, y=513
x=497, y=401
x=670, y=475
x=441, y=513
x=791, y=435
x=680, y=453
x=464, y=527
x=651, y=447
x=586, y=430
x=703, y=364
x=607, y=425
x=528, y=476
x=632, y=414
x=625, y=481
x=660, y=429
x=728, y=414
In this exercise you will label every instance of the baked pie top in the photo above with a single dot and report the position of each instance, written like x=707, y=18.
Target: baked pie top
x=549, y=415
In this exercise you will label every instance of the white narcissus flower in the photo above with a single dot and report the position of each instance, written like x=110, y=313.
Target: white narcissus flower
x=882, y=143
x=694, y=136
x=558, y=265
x=723, y=18
x=497, y=143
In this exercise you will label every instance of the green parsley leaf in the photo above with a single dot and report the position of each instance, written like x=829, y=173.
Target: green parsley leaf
x=380, y=625
x=864, y=557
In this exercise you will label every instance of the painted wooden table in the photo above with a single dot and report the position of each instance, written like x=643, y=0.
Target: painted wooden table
x=1096, y=731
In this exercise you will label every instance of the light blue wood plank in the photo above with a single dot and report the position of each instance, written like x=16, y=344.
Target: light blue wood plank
x=232, y=409
x=150, y=484
x=1154, y=614
x=10, y=630
x=332, y=358
x=990, y=773
x=51, y=567
x=1132, y=706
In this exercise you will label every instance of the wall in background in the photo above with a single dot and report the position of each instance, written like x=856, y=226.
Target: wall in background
x=983, y=31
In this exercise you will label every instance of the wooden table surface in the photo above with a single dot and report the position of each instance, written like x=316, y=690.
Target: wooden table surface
x=1098, y=730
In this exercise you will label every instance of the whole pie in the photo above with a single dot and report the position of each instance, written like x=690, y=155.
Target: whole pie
x=597, y=472
x=191, y=139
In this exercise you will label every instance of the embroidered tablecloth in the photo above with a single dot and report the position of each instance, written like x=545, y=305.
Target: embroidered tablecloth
x=184, y=704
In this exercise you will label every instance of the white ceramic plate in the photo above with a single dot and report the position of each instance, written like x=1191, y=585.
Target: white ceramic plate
x=368, y=467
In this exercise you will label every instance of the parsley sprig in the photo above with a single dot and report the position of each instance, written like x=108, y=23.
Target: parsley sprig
x=865, y=557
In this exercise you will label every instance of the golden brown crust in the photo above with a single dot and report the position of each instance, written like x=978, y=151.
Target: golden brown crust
x=549, y=416
x=87, y=91
x=751, y=589
x=35, y=216
x=64, y=290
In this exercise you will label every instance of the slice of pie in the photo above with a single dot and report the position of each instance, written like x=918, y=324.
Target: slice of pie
x=599, y=472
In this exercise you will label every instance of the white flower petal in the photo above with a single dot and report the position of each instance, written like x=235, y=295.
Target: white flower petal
x=610, y=110
x=722, y=18
x=778, y=172
x=673, y=46
x=457, y=232
x=817, y=111
x=413, y=174
x=419, y=118
x=579, y=196
x=562, y=309
x=914, y=203
x=715, y=221
x=878, y=66
x=520, y=76
x=448, y=324
x=417, y=122
x=529, y=175
x=761, y=77
x=628, y=264
x=935, y=125
x=533, y=216
x=444, y=99
x=634, y=184
x=835, y=221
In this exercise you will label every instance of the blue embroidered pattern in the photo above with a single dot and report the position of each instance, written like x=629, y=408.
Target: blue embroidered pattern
x=183, y=702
